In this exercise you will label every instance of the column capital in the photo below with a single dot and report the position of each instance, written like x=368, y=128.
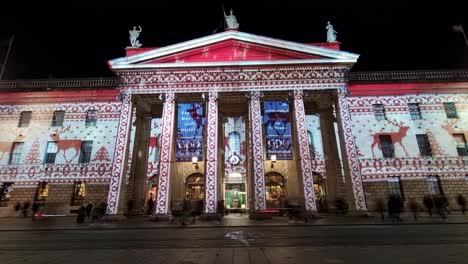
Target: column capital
x=343, y=90
x=254, y=95
x=213, y=95
x=298, y=94
x=167, y=97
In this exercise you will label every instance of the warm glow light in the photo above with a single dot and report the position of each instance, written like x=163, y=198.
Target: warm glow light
x=273, y=157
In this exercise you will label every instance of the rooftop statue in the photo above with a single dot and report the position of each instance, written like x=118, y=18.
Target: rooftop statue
x=231, y=21
x=331, y=33
x=133, y=37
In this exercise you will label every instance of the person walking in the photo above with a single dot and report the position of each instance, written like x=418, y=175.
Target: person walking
x=81, y=214
x=461, y=200
x=429, y=204
x=89, y=209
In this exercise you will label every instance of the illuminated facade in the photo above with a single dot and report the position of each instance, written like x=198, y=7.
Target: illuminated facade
x=248, y=120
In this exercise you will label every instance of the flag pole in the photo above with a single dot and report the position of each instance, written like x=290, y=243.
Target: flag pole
x=6, y=58
x=464, y=35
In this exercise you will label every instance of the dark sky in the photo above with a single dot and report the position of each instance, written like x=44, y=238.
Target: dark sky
x=76, y=39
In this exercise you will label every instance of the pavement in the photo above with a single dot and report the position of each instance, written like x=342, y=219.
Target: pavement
x=287, y=244
x=231, y=220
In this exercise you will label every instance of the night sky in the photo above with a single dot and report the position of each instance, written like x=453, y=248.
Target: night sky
x=76, y=39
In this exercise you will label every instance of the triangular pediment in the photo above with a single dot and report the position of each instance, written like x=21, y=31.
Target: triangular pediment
x=232, y=48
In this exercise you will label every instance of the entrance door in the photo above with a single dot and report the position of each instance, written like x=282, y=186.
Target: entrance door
x=195, y=187
x=275, y=189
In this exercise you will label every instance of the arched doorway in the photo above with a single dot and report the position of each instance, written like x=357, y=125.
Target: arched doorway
x=151, y=193
x=195, y=187
x=275, y=190
x=320, y=192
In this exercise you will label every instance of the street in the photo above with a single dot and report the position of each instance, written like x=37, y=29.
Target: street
x=425, y=243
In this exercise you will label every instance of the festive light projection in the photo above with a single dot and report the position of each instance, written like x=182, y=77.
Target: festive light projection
x=190, y=121
x=278, y=129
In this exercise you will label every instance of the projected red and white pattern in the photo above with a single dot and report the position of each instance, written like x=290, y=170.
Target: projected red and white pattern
x=212, y=154
x=257, y=150
x=350, y=144
x=167, y=146
x=306, y=169
x=120, y=153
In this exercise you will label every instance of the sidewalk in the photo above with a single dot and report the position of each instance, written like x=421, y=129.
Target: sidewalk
x=232, y=220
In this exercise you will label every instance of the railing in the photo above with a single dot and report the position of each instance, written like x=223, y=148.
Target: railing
x=60, y=83
x=387, y=76
x=448, y=75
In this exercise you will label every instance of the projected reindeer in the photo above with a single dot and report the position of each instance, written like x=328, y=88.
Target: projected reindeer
x=396, y=137
x=66, y=144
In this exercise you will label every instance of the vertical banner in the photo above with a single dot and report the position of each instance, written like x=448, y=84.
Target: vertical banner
x=154, y=146
x=190, y=121
x=277, y=122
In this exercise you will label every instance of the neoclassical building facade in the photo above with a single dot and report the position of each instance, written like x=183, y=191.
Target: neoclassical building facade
x=238, y=119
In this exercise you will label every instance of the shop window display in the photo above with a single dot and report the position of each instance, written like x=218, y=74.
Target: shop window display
x=43, y=191
x=235, y=196
x=79, y=193
x=5, y=189
x=195, y=187
x=275, y=190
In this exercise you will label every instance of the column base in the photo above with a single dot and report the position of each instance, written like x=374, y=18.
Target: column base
x=160, y=217
x=210, y=217
x=311, y=215
x=113, y=218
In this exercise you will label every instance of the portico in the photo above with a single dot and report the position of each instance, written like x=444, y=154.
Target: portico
x=246, y=107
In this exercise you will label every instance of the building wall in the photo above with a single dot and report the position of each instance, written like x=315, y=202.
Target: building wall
x=62, y=174
x=408, y=164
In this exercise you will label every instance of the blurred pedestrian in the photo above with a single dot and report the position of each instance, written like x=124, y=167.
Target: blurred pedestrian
x=81, y=214
x=26, y=208
x=428, y=203
x=414, y=207
x=461, y=200
x=89, y=208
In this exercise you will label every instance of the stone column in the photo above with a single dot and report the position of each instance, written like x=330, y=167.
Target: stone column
x=304, y=152
x=332, y=159
x=349, y=153
x=140, y=155
x=211, y=173
x=166, y=157
x=257, y=151
x=120, y=161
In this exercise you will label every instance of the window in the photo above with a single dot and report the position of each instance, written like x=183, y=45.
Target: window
x=310, y=139
x=424, y=145
x=51, y=152
x=415, y=111
x=25, y=118
x=85, y=153
x=5, y=189
x=434, y=185
x=16, y=151
x=57, y=119
x=450, y=110
x=462, y=148
x=43, y=191
x=91, y=118
x=234, y=143
x=388, y=151
x=379, y=112
x=395, y=186
x=79, y=193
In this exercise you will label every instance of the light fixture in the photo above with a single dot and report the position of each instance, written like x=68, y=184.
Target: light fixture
x=273, y=160
x=195, y=162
